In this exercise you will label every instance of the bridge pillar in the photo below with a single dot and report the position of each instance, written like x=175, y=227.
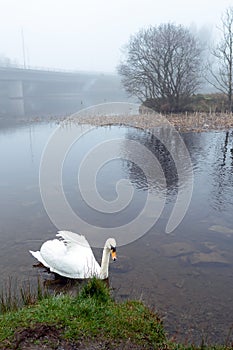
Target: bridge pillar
x=11, y=98
x=16, y=98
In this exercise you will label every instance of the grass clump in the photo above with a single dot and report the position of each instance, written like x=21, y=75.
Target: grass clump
x=96, y=289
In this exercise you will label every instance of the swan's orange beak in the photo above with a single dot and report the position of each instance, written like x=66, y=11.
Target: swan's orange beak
x=113, y=253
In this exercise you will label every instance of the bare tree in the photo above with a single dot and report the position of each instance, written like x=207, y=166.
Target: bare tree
x=221, y=71
x=161, y=67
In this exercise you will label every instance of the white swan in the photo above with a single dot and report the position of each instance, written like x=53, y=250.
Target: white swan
x=71, y=256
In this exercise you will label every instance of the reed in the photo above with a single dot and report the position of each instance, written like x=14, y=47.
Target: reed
x=15, y=295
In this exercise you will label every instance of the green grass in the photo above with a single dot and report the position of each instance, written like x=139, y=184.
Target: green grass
x=92, y=314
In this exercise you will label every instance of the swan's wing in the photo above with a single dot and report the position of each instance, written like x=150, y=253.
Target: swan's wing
x=73, y=262
x=71, y=238
x=78, y=245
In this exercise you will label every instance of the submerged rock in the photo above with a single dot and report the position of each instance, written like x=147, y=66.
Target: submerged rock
x=176, y=249
x=216, y=257
x=221, y=229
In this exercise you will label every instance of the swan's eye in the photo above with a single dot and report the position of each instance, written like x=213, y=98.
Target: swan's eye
x=113, y=253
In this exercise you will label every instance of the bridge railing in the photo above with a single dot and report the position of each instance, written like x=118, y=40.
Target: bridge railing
x=50, y=69
x=46, y=69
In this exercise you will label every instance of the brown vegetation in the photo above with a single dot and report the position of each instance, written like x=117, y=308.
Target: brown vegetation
x=182, y=122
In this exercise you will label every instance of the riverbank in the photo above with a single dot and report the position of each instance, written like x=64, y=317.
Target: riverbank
x=91, y=320
x=196, y=122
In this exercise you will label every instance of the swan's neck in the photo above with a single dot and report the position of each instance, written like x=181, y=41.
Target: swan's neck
x=104, y=264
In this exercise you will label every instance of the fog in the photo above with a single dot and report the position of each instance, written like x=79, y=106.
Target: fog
x=88, y=34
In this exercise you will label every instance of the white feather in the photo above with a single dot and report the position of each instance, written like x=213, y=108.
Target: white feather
x=71, y=237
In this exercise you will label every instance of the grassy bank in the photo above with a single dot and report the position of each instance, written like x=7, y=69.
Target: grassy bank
x=90, y=317
x=91, y=320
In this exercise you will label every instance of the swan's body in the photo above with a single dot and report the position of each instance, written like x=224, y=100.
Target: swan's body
x=72, y=256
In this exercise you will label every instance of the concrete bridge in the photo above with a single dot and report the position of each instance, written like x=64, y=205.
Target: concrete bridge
x=25, y=92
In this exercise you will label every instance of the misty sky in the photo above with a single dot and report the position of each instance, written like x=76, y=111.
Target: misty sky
x=88, y=34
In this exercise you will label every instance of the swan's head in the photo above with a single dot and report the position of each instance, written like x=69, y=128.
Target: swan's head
x=111, y=246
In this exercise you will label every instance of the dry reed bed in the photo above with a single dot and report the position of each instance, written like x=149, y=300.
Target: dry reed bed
x=197, y=122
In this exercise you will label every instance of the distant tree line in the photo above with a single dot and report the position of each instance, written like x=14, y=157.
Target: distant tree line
x=164, y=66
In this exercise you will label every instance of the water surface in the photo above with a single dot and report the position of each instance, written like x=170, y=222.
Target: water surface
x=186, y=275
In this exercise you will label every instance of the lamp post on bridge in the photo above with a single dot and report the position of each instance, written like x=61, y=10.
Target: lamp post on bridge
x=23, y=48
